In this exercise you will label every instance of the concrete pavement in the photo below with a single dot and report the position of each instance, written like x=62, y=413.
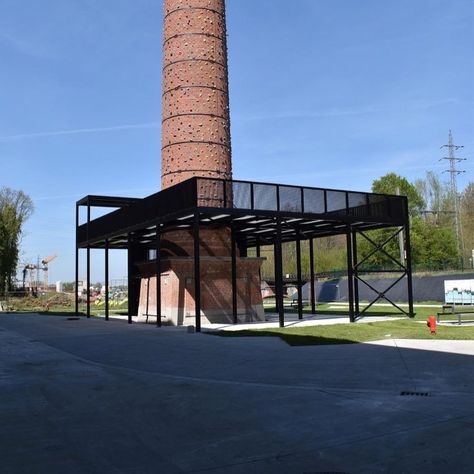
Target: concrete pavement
x=89, y=396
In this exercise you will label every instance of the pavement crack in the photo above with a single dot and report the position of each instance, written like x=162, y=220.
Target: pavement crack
x=405, y=365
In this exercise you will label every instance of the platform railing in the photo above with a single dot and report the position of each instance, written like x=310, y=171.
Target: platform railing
x=246, y=195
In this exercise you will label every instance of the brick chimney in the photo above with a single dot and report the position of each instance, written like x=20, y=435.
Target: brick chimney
x=196, y=123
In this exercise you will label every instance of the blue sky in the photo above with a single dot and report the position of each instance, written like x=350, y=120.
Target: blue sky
x=328, y=93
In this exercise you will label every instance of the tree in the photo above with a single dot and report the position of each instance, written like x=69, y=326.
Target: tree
x=392, y=182
x=433, y=247
x=467, y=220
x=433, y=236
x=439, y=200
x=15, y=208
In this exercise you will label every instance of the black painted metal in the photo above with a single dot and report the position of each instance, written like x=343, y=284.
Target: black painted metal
x=107, y=279
x=312, y=276
x=258, y=255
x=107, y=201
x=355, y=272
x=197, y=273
x=130, y=278
x=147, y=306
x=205, y=9
x=276, y=272
x=350, y=274
x=158, y=276
x=259, y=213
x=76, y=274
x=234, y=277
x=363, y=211
x=279, y=277
x=404, y=270
x=88, y=282
x=411, y=311
x=299, y=277
x=88, y=278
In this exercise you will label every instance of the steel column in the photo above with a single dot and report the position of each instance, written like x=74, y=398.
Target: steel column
x=275, y=271
x=76, y=296
x=106, y=279
x=299, y=283
x=158, y=276
x=279, y=276
x=355, y=274
x=350, y=273
x=88, y=281
x=234, y=277
x=197, y=273
x=411, y=311
x=258, y=255
x=88, y=264
x=311, y=271
x=130, y=277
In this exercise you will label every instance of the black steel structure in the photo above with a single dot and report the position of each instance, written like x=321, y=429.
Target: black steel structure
x=257, y=214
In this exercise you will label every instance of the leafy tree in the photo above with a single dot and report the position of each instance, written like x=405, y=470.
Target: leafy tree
x=433, y=247
x=467, y=220
x=391, y=182
x=433, y=237
x=68, y=286
x=438, y=199
x=15, y=208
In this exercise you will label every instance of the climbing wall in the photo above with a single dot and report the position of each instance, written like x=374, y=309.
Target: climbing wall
x=196, y=125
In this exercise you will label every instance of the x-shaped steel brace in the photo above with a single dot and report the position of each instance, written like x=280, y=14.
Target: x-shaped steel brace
x=383, y=294
x=380, y=248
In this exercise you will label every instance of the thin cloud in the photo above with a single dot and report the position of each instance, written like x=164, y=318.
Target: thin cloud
x=79, y=131
x=28, y=48
x=356, y=172
x=113, y=192
x=350, y=111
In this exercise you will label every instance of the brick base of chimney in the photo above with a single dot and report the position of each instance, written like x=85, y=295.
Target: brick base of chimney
x=177, y=291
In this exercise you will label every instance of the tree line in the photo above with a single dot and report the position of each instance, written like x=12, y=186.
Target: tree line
x=15, y=208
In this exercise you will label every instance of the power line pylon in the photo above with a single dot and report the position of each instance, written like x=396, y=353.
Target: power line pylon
x=454, y=172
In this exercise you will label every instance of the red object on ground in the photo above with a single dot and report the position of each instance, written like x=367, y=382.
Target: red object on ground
x=431, y=323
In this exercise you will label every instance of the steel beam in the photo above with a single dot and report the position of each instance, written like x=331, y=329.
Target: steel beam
x=88, y=264
x=279, y=276
x=411, y=311
x=275, y=271
x=76, y=296
x=350, y=273
x=197, y=273
x=234, y=277
x=106, y=279
x=158, y=276
x=130, y=277
x=355, y=275
x=312, y=276
x=299, y=277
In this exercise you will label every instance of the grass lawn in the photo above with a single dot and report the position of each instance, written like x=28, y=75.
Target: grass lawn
x=363, y=332
x=353, y=333
x=63, y=310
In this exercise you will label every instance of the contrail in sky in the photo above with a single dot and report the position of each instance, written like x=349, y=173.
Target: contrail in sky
x=78, y=131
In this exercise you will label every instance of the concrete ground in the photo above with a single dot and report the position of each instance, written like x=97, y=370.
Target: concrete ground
x=87, y=396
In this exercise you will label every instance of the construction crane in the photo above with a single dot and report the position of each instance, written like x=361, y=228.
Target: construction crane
x=27, y=267
x=45, y=262
x=31, y=268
